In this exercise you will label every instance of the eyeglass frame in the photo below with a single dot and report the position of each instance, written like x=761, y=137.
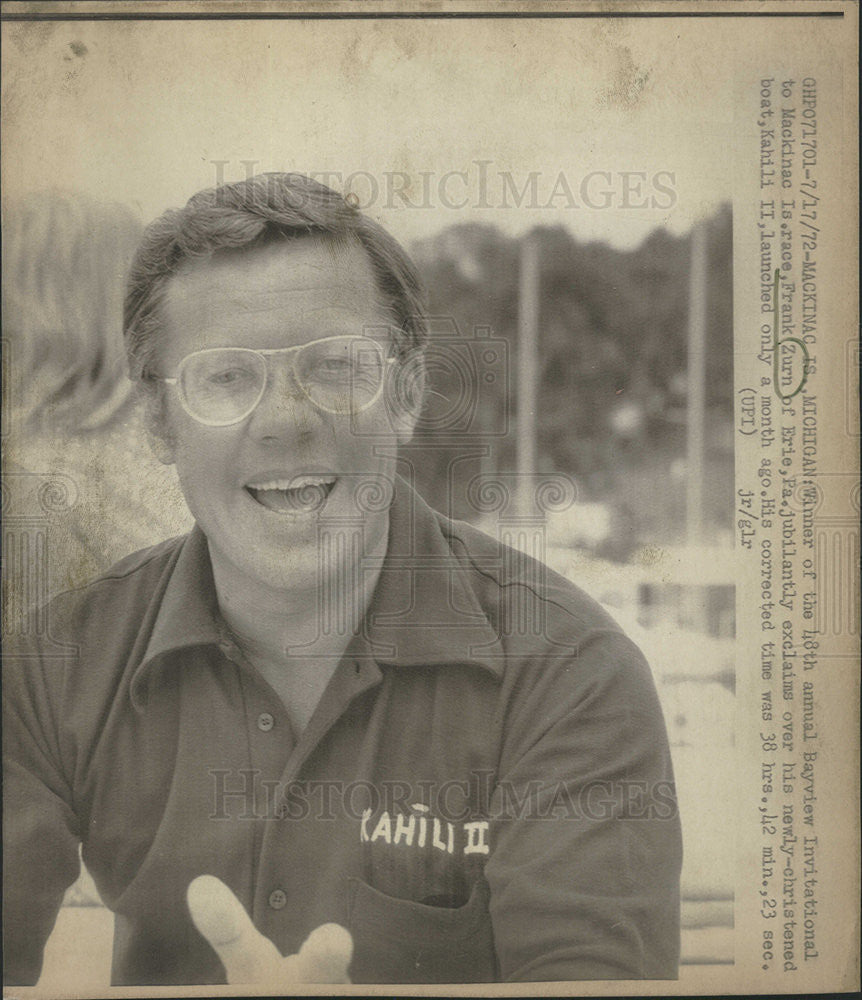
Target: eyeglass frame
x=264, y=353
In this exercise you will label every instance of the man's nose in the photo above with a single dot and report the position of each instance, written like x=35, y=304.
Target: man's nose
x=284, y=410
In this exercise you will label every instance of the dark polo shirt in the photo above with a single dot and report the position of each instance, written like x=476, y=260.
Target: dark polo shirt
x=483, y=793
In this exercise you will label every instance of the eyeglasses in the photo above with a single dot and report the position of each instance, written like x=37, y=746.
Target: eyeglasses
x=219, y=386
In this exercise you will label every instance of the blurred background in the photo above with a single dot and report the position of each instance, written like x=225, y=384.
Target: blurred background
x=612, y=380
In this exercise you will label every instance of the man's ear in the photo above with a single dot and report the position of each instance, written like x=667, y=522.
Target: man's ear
x=161, y=448
x=407, y=396
x=159, y=436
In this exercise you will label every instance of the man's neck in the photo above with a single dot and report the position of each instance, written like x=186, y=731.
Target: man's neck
x=316, y=620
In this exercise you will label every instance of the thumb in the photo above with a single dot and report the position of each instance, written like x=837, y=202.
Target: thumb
x=325, y=955
x=246, y=954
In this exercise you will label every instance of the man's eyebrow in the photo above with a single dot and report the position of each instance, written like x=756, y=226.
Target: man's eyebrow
x=344, y=311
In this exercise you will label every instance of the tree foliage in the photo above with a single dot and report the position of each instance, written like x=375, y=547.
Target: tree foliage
x=612, y=356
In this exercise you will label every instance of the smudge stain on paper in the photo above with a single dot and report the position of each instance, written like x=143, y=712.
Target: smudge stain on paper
x=628, y=85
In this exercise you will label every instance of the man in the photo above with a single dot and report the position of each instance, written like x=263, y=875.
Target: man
x=313, y=728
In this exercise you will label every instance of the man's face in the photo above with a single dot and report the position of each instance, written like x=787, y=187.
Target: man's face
x=276, y=296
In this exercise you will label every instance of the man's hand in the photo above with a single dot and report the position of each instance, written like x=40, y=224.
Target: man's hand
x=249, y=957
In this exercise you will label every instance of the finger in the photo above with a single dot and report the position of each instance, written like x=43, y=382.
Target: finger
x=246, y=954
x=325, y=955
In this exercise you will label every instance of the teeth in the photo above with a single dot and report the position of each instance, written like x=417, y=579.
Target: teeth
x=295, y=483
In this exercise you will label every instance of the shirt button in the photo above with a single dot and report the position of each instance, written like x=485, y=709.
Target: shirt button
x=265, y=722
x=278, y=899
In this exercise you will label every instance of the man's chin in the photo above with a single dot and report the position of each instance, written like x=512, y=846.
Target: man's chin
x=293, y=566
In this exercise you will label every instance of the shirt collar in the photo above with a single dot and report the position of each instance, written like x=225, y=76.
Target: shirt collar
x=424, y=611
x=187, y=616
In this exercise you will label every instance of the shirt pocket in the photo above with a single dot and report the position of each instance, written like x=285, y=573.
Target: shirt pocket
x=399, y=941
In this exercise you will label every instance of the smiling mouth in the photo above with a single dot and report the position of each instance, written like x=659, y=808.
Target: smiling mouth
x=296, y=495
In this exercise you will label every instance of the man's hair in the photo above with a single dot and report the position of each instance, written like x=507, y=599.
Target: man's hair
x=64, y=261
x=254, y=212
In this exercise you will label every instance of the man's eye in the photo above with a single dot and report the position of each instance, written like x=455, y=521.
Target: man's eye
x=334, y=366
x=228, y=377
